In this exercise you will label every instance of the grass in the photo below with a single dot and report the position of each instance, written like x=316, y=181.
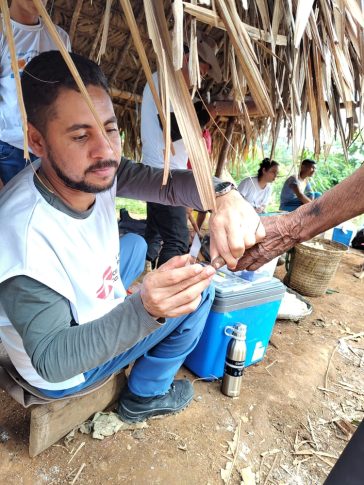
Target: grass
x=132, y=206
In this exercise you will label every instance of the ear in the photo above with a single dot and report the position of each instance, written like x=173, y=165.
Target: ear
x=36, y=141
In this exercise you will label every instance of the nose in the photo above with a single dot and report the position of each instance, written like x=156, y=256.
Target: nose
x=102, y=148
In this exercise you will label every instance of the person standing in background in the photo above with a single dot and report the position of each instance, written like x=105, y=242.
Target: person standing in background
x=257, y=190
x=31, y=37
x=166, y=223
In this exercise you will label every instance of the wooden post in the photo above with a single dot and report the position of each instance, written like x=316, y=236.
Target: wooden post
x=225, y=148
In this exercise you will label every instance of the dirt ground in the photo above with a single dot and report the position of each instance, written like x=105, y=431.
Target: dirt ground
x=285, y=427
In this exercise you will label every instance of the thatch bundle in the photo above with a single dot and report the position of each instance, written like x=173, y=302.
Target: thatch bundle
x=282, y=61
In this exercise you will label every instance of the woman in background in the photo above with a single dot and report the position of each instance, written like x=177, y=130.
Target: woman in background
x=257, y=190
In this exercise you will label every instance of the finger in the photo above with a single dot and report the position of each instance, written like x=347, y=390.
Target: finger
x=157, y=297
x=185, y=300
x=260, y=232
x=184, y=309
x=249, y=258
x=218, y=262
x=178, y=286
x=221, y=248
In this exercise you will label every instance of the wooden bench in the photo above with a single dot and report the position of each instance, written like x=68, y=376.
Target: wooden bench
x=51, y=419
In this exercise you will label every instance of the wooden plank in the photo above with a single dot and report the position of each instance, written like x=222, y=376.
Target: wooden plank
x=117, y=93
x=210, y=17
x=50, y=422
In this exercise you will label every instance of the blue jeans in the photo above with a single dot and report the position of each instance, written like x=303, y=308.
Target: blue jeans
x=294, y=204
x=12, y=161
x=159, y=355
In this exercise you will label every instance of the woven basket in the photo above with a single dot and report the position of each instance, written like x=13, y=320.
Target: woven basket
x=310, y=269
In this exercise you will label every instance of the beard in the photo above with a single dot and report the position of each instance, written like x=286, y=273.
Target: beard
x=82, y=185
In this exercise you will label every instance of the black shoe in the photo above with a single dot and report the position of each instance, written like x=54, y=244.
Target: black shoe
x=133, y=408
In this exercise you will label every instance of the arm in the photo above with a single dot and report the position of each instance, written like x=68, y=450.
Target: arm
x=59, y=348
x=56, y=345
x=341, y=203
x=234, y=226
x=142, y=182
x=300, y=196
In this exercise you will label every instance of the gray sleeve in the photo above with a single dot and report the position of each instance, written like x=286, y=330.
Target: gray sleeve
x=294, y=181
x=142, y=182
x=59, y=348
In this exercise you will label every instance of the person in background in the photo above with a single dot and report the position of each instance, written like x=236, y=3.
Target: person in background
x=257, y=190
x=31, y=38
x=337, y=205
x=168, y=224
x=297, y=190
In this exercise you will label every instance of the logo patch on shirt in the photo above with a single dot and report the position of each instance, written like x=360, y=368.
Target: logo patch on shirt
x=109, y=278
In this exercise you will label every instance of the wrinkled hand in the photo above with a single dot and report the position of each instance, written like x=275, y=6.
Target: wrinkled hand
x=234, y=227
x=282, y=233
x=174, y=289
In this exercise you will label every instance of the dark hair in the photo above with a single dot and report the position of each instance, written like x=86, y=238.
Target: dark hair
x=266, y=163
x=46, y=75
x=307, y=162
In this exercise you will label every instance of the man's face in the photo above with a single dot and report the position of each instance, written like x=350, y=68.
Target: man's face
x=308, y=170
x=74, y=146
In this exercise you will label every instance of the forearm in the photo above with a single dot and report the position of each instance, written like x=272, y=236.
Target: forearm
x=58, y=350
x=139, y=181
x=303, y=198
x=341, y=203
x=338, y=205
x=74, y=350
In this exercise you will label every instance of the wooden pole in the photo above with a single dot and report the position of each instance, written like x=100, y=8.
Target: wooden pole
x=225, y=148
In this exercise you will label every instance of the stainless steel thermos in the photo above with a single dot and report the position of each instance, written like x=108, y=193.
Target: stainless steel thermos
x=235, y=360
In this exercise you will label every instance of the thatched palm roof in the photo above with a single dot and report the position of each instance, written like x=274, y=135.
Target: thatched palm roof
x=284, y=61
x=304, y=56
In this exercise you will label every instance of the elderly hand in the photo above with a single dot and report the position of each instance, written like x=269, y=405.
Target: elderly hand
x=282, y=233
x=234, y=227
x=175, y=289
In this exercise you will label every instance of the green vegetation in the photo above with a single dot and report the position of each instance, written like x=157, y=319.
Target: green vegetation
x=132, y=206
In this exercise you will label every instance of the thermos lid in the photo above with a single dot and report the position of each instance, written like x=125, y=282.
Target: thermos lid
x=237, y=332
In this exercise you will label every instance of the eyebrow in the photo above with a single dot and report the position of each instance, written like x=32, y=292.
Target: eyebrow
x=84, y=126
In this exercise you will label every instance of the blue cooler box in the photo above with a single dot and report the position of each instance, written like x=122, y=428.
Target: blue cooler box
x=236, y=301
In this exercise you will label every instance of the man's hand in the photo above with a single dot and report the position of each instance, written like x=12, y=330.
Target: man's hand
x=234, y=227
x=175, y=289
x=282, y=233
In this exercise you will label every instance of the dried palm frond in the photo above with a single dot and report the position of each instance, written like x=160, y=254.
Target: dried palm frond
x=181, y=102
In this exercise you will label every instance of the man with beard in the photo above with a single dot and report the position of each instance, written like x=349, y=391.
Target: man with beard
x=64, y=318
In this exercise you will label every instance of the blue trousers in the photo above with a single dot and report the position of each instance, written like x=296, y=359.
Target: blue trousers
x=294, y=204
x=12, y=161
x=159, y=355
